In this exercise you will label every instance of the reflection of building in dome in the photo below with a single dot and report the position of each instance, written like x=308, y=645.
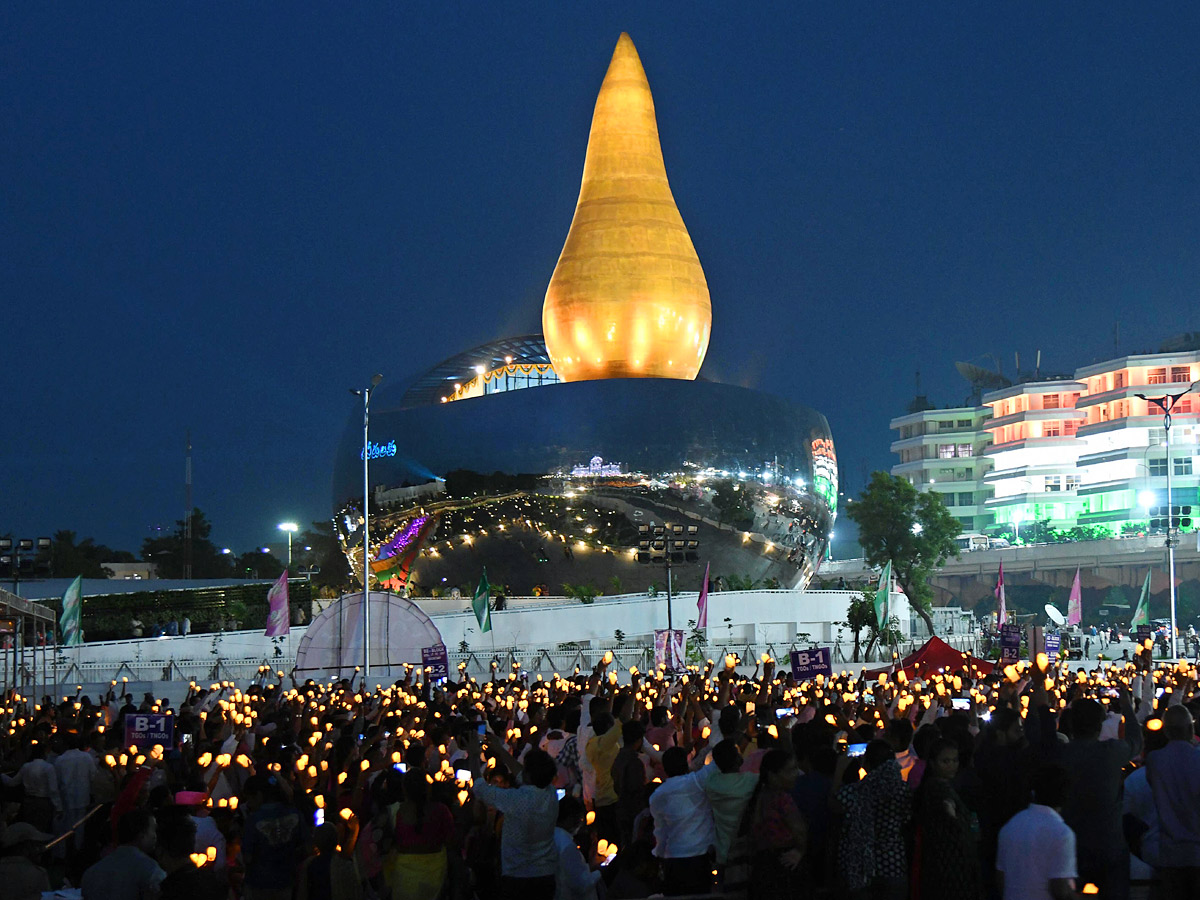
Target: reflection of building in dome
x=483, y=461
x=596, y=468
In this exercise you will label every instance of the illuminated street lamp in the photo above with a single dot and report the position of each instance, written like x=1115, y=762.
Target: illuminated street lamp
x=365, y=393
x=1166, y=404
x=291, y=528
x=1017, y=518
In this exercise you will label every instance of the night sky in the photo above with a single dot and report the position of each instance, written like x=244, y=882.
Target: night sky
x=220, y=219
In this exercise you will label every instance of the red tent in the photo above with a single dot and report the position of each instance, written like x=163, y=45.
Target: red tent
x=937, y=654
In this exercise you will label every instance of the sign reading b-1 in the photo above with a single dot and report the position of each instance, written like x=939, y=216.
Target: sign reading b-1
x=147, y=729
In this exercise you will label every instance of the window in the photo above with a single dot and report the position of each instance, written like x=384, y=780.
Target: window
x=1051, y=429
x=1119, y=380
x=1050, y=401
x=1053, y=483
x=964, y=423
x=1158, y=467
x=1181, y=374
x=1182, y=465
x=945, y=426
x=1070, y=426
x=964, y=450
x=1070, y=482
x=945, y=451
x=966, y=499
x=1156, y=376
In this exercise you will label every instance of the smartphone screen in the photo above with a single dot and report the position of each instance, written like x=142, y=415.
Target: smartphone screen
x=561, y=792
x=318, y=817
x=462, y=774
x=481, y=729
x=960, y=703
x=784, y=713
x=401, y=767
x=856, y=749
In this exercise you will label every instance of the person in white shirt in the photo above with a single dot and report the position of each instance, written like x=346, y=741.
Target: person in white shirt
x=42, y=799
x=575, y=879
x=1035, y=859
x=74, y=770
x=684, y=833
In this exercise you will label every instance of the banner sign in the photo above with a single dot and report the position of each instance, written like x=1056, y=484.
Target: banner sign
x=669, y=649
x=1053, y=642
x=436, y=660
x=809, y=663
x=147, y=729
x=1010, y=643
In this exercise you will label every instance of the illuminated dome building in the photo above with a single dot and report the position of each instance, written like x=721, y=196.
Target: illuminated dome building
x=550, y=461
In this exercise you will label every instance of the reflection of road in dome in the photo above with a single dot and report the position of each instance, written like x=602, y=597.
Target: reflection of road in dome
x=530, y=541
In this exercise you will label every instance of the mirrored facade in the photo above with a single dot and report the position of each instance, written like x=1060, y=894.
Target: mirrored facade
x=547, y=485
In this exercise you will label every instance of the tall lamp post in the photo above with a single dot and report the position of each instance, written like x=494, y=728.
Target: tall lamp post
x=291, y=528
x=365, y=393
x=1166, y=404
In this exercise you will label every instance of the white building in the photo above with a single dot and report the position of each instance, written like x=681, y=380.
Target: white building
x=1081, y=452
x=945, y=450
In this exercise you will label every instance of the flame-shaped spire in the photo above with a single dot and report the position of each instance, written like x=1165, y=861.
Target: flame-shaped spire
x=628, y=298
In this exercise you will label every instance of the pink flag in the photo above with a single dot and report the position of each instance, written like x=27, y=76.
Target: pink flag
x=1075, y=602
x=702, y=601
x=277, y=608
x=1001, y=612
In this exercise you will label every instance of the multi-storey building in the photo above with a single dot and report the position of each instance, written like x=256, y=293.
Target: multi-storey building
x=1123, y=456
x=1087, y=451
x=1034, y=476
x=943, y=450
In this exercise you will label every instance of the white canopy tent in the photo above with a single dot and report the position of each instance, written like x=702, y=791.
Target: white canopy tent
x=333, y=644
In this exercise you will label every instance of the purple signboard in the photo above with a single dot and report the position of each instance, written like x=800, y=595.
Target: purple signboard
x=147, y=729
x=1010, y=643
x=436, y=660
x=811, y=662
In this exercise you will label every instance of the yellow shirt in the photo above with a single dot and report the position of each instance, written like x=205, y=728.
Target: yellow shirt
x=601, y=753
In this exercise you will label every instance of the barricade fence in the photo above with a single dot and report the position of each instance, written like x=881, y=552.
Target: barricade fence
x=562, y=659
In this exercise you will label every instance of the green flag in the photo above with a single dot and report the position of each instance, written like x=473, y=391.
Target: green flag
x=479, y=603
x=882, y=595
x=72, y=614
x=1142, y=615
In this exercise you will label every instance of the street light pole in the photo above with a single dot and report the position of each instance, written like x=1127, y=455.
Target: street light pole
x=1166, y=404
x=365, y=393
x=291, y=528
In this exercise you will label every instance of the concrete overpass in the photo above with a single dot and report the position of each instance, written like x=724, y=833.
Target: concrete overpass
x=1042, y=573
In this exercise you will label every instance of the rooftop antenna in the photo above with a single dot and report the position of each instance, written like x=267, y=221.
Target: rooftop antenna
x=1017, y=357
x=1037, y=371
x=187, y=516
x=918, y=382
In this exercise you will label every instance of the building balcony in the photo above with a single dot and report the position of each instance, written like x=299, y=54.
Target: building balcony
x=1035, y=415
x=1041, y=443
x=1001, y=475
x=1148, y=422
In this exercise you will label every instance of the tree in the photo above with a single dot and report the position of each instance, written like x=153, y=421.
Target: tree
x=68, y=558
x=731, y=501
x=317, y=546
x=860, y=616
x=256, y=564
x=912, y=528
x=169, y=551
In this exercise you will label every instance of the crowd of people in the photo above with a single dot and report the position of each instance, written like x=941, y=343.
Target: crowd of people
x=1034, y=780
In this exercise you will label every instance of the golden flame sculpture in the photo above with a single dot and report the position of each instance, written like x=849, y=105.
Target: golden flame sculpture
x=628, y=298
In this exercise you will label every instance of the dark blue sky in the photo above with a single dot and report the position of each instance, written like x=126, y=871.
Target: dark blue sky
x=220, y=219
